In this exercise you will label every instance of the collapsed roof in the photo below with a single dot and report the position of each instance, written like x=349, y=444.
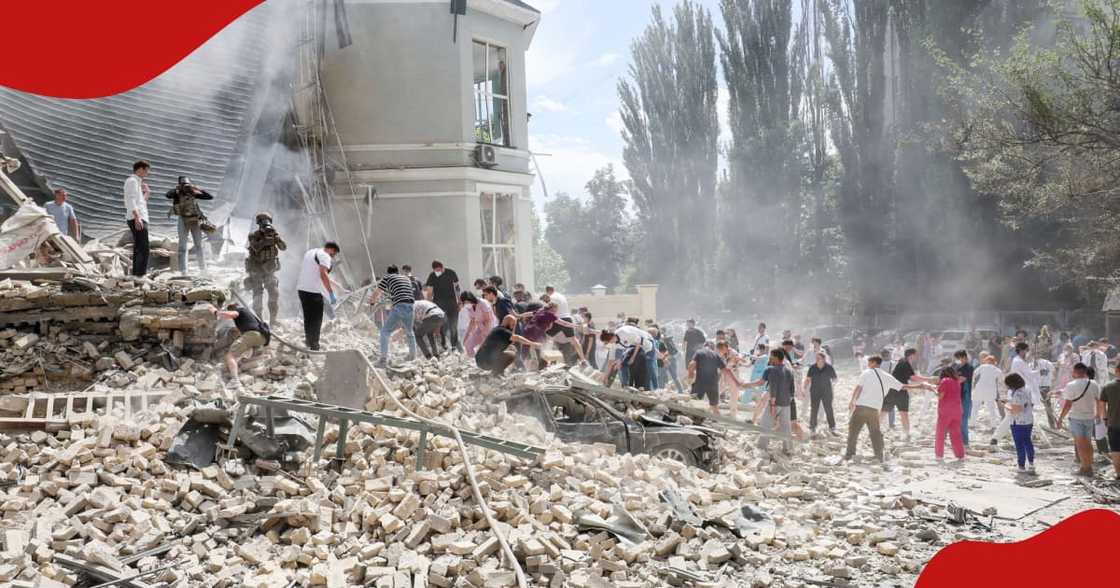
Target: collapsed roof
x=198, y=119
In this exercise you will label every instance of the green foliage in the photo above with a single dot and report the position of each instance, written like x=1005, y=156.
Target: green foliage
x=1040, y=131
x=548, y=266
x=670, y=134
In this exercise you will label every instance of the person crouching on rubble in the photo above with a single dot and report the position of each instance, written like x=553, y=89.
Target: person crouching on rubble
x=185, y=197
x=254, y=333
x=495, y=355
x=427, y=322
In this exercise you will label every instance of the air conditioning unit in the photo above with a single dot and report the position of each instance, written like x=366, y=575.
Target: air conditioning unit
x=486, y=156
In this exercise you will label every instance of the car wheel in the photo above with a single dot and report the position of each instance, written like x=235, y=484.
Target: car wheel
x=675, y=453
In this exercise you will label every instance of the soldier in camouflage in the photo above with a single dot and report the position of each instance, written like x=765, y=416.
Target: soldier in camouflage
x=262, y=264
x=192, y=222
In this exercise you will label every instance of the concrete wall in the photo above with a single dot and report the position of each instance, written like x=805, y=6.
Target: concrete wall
x=606, y=307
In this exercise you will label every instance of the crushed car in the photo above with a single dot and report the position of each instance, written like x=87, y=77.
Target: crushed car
x=576, y=415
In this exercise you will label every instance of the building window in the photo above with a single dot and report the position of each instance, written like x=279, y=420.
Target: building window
x=499, y=236
x=491, y=94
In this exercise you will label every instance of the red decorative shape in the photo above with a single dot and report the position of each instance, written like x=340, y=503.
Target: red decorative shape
x=1054, y=557
x=95, y=48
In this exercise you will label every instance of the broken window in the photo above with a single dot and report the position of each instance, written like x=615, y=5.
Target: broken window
x=499, y=236
x=491, y=94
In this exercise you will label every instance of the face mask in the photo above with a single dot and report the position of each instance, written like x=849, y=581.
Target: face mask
x=439, y=273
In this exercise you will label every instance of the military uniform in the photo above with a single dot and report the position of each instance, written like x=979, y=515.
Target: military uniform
x=261, y=266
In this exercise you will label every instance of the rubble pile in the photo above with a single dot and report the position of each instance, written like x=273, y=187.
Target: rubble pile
x=64, y=334
x=102, y=492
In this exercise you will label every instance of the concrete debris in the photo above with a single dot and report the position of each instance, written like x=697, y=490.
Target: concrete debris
x=108, y=489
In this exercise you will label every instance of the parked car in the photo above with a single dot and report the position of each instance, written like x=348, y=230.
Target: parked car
x=574, y=415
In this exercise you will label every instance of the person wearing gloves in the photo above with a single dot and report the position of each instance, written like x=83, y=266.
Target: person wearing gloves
x=314, y=288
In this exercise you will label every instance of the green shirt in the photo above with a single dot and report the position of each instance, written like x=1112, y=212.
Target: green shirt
x=1111, y=395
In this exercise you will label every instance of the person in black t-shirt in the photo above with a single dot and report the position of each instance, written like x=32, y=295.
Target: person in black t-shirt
x=819, y=381
x=705, y=369
x=904, y=372
x=444, y=283
x=494, y=354
x=254, y=333
x=502, y=306
x=693, y=339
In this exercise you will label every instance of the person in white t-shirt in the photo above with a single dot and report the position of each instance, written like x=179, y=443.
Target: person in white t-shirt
x=1043, y=369
x=1079, y=401
x=985, y=389
x=1094, y=357
x=867, y=401
x=314, y=288
x=562, y=309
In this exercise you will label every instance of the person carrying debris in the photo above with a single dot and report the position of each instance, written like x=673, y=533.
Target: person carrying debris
x=428, y=319
x=314, y=289
x=705, y=371
x=899, y=396
x=495, y=355
x=254, y=333
x=262, y=264
x=779, y=379
x=185, y=197
x=136, y=194
x=399, y=289
x=638, y=344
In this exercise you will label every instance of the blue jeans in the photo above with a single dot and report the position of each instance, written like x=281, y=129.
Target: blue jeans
x=651, y=367
x=400, y=317
x=195, y=232
x=1024, y=447
x=966, y=410
x=671, y=370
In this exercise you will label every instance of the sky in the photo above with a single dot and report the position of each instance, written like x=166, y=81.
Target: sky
x=581, y=49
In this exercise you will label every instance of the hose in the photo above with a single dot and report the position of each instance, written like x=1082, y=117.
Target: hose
x=522, y=582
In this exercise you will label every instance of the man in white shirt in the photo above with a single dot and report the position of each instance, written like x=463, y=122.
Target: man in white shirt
x=1080, y=402
x=314, y=287
x=867, y=401
x=136, y=193
x=762, y=338
x=1094, y=357
x=1043, y=369
x=63, y=214
x=985, y=389
x=562, y=309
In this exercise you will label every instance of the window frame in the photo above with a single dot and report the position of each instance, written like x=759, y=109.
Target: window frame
x=494, y=195
x=483, y=100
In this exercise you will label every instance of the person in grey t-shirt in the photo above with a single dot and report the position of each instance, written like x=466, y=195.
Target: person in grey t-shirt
x=63, y=214
x=780, y=385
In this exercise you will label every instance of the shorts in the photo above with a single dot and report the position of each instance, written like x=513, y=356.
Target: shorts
x=568, y=331
x=1081, y=427
x=899, y=399
x=1114, y=439
x=247, y=341
x=712, y=392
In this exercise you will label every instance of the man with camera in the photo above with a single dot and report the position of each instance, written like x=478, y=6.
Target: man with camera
x=262, y=264
x=185, y=197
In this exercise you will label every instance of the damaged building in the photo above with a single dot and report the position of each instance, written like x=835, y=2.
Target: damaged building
x=396, y=112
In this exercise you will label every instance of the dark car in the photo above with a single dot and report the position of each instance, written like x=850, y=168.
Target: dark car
x=574, y=415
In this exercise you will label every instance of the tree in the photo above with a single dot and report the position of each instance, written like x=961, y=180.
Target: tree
x=857, y=112
x=548, y=265
x=1040, y=130
x=593, y=238
x=762, y=64
x=670, y=134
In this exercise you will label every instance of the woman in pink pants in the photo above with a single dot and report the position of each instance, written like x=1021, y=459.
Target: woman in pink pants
x=948, y=414
x=482, y=321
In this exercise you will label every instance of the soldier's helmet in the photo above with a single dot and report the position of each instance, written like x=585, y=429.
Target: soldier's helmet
x=264, y=217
